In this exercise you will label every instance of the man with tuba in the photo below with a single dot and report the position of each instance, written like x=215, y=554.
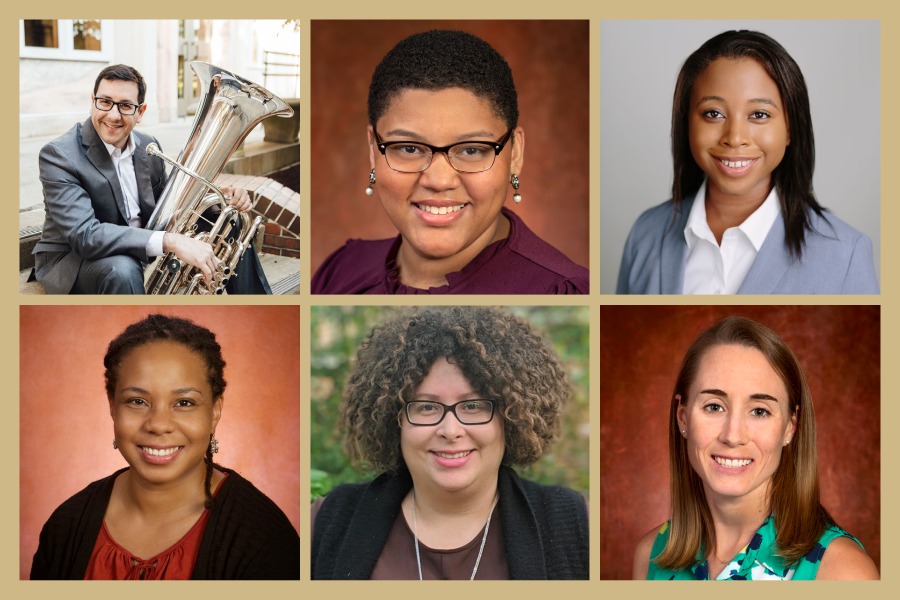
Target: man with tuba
x=100, y=188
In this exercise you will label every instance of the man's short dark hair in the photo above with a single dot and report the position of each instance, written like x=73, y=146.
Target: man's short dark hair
x=441, y=59
x=122, y=73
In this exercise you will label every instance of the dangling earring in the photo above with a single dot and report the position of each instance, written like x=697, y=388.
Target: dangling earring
x=370, y=190
x=514, y=181
x=213, y=444
x=115, y=444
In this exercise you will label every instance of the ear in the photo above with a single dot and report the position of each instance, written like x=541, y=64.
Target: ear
x=518, y=151
x=112, y=408
x=371, y=137
x=791, y=429
x=680, y=415
x=217, y=412
x=140, y=113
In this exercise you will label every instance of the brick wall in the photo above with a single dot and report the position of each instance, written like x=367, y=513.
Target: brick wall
x=281, y=207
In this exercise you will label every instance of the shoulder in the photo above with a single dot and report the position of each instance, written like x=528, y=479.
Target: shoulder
x=836, y=257
x=93, y=495
x=844, y=558
x=656, y=217
x=354, y=268
x=643, y=550
x=64, y=146
x=542, y=267
x=828, y=227
x=241, y=498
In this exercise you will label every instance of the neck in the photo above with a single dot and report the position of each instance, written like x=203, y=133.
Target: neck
x=448, y=519
x=149, y=500
x=725, y=211
x=424, y=272
x=735, y=521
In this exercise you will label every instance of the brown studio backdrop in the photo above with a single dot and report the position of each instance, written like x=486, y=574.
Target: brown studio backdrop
x=641, y=349
x=66, y=432
x=549, y=62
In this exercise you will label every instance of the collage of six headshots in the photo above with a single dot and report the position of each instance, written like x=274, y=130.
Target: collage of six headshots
x=448, y=441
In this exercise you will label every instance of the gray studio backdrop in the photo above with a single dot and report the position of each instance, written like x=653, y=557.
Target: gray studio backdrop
x=639, y=62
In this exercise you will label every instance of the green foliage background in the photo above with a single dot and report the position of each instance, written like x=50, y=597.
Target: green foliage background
x=336, y=334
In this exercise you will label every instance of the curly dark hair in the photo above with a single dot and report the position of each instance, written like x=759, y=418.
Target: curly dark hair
x=500, y=356
x=441, y=59
x=158, y=328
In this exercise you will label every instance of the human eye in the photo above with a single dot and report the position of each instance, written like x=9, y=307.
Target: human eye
x=712, y=114
x=127, y=108
x=472, y=152
x=424, y=408
x=185, y=403
x=407, y=150
x=760, y=411
x=105, y=103
x=475, y=406
x=713, y=407
x=759, y=115
x=136, y=402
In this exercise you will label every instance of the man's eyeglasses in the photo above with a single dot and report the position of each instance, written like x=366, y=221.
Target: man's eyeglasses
x=125, y=108
x=476, y=411
x=465, y=157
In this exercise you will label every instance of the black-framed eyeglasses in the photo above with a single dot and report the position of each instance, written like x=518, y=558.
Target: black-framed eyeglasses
x=126, y=109
x=466, y=157
x=475, y=411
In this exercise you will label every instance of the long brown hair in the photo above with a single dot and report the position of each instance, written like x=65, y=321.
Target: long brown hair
x=793, y=177
x=794, y=493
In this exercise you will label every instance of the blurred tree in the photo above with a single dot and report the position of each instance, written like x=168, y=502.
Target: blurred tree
x=337, y=332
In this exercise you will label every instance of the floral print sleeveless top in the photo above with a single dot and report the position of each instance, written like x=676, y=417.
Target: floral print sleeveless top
x=756, y=560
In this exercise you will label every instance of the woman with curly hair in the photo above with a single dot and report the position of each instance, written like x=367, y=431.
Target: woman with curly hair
x=172, y=513
x=445, y=152
x=743, y=473
x=444, y=402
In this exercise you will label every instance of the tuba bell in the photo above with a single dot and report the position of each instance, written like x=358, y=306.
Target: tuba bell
x=231, y=107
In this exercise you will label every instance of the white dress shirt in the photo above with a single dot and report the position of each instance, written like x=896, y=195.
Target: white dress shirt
x=720, y=269
x=124, y=164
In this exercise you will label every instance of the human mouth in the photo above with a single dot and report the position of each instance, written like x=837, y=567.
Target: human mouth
x=439, y=210
x=735, y=167
x=161, y=451
x=732, y=463
x=454, y=454
x=160, y=456
x=451, y=460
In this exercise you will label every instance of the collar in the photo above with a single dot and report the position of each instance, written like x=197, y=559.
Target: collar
x=124, y=153
x=756, y=227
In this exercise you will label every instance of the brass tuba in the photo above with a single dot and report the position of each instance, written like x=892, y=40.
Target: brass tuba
x=231, y=107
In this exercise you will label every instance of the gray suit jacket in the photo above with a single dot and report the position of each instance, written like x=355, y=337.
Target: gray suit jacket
x=86, y=217
x=836, y=259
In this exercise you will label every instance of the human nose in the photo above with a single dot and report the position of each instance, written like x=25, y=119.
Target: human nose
x=159, y=420
x=450, y=426
x=736, y=133
x=734, y=430
x=440, y=174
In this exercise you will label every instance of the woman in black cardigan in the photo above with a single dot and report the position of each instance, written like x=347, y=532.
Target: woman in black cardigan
x=174, y=513
x=442, y=401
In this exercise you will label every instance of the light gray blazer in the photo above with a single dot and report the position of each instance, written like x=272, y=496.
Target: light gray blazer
x=836, y=258
x=85, y=206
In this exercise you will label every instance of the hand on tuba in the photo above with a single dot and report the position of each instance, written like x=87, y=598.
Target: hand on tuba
x=238, y=198
x=194, y=252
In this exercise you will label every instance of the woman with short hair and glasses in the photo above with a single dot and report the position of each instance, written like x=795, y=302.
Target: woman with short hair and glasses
x=443, y=402
x=445, y=151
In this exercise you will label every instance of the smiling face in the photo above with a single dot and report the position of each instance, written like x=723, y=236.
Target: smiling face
x=471, y=202
x=738, y=129
x=163, y=413
x=737, y=420
x=112, y=127
x=450, y=456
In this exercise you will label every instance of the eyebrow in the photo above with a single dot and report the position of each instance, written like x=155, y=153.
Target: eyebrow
x=768, y=101
x=140, y=390
x=480, y=134
x=757, y=396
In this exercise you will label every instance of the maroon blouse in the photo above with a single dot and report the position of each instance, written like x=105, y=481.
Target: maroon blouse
x=522, y=263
